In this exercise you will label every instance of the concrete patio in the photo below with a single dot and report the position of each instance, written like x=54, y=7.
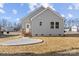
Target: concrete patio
x=21, y=41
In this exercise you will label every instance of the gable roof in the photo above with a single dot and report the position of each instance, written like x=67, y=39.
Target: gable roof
x=38, y=11
x=48, y=8
x=33, y=13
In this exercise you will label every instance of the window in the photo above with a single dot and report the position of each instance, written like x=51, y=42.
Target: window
x=36, y=34
x=52, y=25
x=42, y=34
x=57, y=25
x=40, y=23
x=27, y=26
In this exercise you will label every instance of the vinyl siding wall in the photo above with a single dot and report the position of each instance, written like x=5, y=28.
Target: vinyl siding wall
x=44, y=30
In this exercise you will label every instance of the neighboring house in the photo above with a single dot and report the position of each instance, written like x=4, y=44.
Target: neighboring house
x=66, y=29
x=43, y=22
x=77, y=28
x=7, y=29
x=0, y=29
x=74, y=28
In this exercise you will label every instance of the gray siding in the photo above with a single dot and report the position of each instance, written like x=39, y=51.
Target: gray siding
x=46, y=17
x=27, y=19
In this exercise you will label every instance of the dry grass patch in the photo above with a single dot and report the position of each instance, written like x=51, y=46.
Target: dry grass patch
x=50, y=44
x=9, y=38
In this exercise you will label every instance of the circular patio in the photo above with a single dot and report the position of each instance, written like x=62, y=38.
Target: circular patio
x=21, y=41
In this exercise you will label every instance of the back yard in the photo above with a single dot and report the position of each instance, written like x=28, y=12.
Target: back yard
x=50, y=46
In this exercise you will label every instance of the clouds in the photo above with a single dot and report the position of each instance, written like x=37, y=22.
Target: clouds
x=21, y=4
x=17, y=19
x=17, y=11
x=70, y=15
x=62, y=15
x=70, y=7
x=1, y=5
x=6, y=17
x=14, y=11
x=2, y=11
x=74, y=6
x=33, y=6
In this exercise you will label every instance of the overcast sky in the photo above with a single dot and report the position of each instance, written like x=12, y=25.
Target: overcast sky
x=15, y=11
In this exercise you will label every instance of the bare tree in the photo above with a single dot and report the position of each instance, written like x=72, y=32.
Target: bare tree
x=17, y=26
x=4, y=22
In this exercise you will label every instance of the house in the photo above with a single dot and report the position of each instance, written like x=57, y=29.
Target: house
x=77, y=28
x=1, y=31
x=43, y=22
x=74, y=28
x=9, y=29
x=66, y=29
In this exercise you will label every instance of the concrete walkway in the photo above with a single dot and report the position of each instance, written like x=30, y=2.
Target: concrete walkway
x=21, y=41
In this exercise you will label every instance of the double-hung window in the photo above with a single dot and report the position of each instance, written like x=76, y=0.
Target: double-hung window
x=57, y=25
x=52, y=25
x=40, y=23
